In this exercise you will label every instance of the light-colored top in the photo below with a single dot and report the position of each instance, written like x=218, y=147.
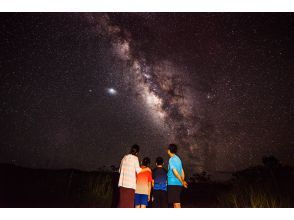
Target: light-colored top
x=174, y=163
x=143, y=178
x=129, y=166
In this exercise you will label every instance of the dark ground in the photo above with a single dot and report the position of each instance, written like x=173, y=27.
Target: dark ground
x=25, y=187
x=268, y=186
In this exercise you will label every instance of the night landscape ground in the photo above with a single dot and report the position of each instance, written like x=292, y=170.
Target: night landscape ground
x=268, y=185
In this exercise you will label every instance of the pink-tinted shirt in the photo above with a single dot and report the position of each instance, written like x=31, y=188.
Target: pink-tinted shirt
x=129, y=167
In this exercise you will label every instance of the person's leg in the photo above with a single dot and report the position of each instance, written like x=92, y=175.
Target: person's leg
x=177, y=201
x=163, y=199
x=126, y=197
x=174, y=196
x=122, y=199
x=156, y=199
x=137, y=201
x=159, y=198
x=131, y=198
x=144, y=200
x=169, y=195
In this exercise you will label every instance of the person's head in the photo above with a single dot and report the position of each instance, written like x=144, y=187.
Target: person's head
x=172, y=149
x=159, y=162
x=146, y=162
x=135, y=149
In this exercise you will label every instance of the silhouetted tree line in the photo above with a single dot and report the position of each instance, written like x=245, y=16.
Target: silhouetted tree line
x=272, y=168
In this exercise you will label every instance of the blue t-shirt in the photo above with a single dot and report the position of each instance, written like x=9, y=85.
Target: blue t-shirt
x=174, y=163
x=160, y=178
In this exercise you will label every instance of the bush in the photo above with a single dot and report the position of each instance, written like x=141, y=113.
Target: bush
x=260, y=187
x=92, y=190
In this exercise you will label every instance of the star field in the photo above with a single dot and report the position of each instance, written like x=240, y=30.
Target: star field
x=77, y=89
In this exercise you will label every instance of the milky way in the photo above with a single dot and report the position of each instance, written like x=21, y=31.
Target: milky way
x=163, y=89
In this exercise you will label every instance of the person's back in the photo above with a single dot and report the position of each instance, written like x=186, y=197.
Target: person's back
x=128, y=171
x=143, y=188
x=129, y=166
x=175, y=177
x=159, y=185
x=159, y=178
x=174, y=163
x=143, y=178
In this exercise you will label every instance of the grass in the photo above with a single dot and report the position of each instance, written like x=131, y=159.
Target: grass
x=25, y=187
x=95, y=190
x=252, y=198
x=100, y=191
x=259, y=192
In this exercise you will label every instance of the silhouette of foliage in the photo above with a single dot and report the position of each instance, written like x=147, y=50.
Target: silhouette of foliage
x=267, y=186
x=271, y=162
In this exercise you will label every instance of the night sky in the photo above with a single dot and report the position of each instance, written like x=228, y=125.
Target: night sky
x=78, y=89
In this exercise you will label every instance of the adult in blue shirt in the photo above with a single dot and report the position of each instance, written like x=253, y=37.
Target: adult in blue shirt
x=175, y=177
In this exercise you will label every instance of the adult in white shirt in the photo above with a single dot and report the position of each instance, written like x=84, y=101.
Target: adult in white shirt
x=129, y=167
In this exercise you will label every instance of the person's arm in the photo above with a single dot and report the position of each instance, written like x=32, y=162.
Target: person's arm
x=150, y=184
x=149, y=190
x=153, y=177
x=121, y=164
x=180, y=178
x=137, y=166
x=183, y=174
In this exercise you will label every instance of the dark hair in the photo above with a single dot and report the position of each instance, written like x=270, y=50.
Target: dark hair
x=146, y=161
x=135, y=149
x=173, y=148
x=159, y=161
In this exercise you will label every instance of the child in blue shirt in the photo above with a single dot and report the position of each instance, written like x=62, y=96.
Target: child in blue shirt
x=159, y=185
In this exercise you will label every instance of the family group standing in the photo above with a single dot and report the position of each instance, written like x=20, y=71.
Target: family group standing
x=137, y=183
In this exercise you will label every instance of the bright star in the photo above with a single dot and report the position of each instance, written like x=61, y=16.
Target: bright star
x=111, y=91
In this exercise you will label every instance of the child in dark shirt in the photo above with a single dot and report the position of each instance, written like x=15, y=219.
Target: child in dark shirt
x=159, y=184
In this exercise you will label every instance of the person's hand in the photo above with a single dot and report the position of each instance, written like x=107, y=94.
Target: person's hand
x=148, y=198
x=185, y=184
